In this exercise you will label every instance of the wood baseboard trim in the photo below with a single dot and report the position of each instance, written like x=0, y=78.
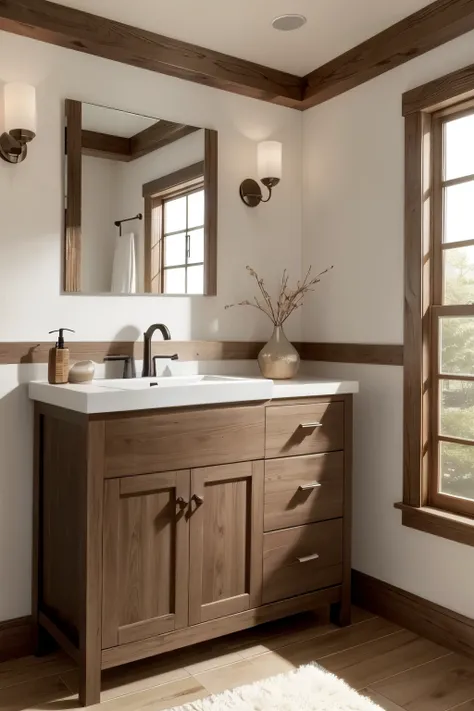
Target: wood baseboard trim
x=432, y=621
x=16, y=638
x=18, y=353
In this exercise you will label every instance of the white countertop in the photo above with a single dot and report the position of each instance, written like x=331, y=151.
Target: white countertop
x=102, y=396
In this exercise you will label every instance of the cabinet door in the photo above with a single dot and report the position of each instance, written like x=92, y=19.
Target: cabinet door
x=146, y=556
x=226, y=540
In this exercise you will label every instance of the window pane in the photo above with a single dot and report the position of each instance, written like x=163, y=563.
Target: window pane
x=196, y=209
x=457, y=408
x=459, y=211
x=458, y=275
x=196, y=280
x=175, y=215
x=457, y=470
x=457, y=345
x=196, y=246
x=459, y=151
x=175, y=281
x=175, y=249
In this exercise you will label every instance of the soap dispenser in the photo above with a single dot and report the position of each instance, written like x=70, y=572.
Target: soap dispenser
x=58, y=361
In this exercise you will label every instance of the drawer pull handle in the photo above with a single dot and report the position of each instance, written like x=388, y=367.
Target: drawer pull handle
x=309, y=487
x=308, y=558
x=310, y=425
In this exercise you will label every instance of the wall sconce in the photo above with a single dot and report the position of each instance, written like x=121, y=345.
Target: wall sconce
x=269, y=161
x=20, y=121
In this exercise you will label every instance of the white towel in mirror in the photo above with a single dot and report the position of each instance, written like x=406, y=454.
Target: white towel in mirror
x=124, y=270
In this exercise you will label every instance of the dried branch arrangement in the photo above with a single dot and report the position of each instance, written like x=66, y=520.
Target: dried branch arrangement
x=288, y=299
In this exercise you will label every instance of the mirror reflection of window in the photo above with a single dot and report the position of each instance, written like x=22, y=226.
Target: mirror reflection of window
x=183, y=243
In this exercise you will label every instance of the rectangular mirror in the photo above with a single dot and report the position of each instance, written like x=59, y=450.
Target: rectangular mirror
x=141, y=204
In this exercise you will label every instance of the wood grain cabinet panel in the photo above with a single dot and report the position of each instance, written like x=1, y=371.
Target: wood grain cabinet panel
x=302, y=559
x=146, y=557
x=301, y=490
x=304, y=429
x=226, y=534
x=182, y=439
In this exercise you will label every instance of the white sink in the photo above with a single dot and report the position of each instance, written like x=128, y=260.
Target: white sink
x=178, y=381
x=151, y=393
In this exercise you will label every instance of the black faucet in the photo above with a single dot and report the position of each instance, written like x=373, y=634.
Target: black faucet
x=149, y=364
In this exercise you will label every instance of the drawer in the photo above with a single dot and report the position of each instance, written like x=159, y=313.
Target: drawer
x=183, y=439
x=302, y=559
x=301, y=490
x=304, y=429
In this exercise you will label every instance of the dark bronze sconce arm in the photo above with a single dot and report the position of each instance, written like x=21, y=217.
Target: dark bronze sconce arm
x=13, y=145
x=251, y=193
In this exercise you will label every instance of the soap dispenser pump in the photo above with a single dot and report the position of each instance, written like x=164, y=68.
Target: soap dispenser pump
x=58, y=361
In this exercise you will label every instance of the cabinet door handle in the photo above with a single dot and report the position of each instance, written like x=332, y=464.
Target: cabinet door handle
x=308, y=558
x=198, y=499
x=310, y=425
x=309, y=487
x=182, y=503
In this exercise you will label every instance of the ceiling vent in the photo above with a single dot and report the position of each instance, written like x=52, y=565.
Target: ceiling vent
x=286, y=23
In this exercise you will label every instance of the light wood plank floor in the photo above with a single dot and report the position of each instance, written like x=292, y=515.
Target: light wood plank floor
x=394, y=667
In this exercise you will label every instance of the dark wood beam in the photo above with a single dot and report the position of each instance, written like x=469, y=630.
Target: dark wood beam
x=81, y=31
x=104, y=145
x=430, y=27
x=157, y=136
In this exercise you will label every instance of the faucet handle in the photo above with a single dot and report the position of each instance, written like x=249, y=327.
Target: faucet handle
x=129, y=369
x=175, y=356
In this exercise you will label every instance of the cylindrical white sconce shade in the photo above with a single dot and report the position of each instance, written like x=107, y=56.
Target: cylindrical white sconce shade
x=20, y=107
x=269, y=159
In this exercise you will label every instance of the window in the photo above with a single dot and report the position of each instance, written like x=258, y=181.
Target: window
x=438, y=491
x=183, y=243
x=451, y=484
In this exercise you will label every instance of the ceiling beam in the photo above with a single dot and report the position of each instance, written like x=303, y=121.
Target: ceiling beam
x=157, y=136
x=430, y=27
x=104, y=145
x=81, y=31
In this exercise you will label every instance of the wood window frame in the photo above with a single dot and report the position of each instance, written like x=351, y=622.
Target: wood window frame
x=421, y=110
x=203, y=173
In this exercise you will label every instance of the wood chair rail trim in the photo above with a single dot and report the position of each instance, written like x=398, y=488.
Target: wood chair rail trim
x=27, y=352
x=420, y=32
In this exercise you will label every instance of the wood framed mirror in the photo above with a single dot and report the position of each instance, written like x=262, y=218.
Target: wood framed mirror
x=141, y=204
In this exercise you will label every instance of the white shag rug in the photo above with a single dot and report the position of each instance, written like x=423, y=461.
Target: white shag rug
x=309, y=688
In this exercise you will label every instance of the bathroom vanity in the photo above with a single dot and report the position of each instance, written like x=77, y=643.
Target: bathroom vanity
x=169, y=515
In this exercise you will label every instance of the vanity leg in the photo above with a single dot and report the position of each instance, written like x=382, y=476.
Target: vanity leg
x=90, y=625
x=89, y=684
x=341, y=612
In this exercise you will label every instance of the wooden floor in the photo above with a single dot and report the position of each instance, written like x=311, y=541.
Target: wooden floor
x=396, y=668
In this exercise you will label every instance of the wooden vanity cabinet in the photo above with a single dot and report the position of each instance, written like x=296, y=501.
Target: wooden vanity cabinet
x=157, y=530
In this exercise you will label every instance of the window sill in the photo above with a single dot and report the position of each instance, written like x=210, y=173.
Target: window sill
x=439, y=523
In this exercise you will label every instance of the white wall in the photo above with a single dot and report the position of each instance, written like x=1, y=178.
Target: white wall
x=353, y=218
x=31, y=206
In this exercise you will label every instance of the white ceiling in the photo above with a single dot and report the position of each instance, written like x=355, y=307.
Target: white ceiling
x=243, y=28
x=113, y=121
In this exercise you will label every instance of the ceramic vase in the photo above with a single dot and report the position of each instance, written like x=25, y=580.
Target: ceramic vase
x=278, y=359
